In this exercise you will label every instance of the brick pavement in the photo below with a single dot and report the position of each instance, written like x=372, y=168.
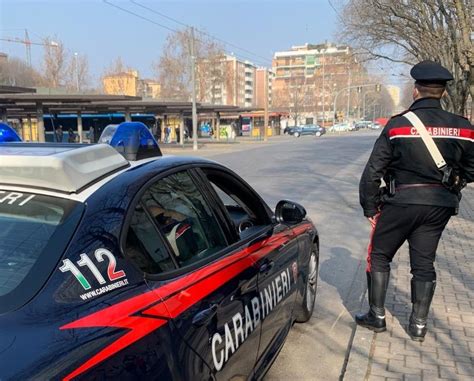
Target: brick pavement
x=448, y=350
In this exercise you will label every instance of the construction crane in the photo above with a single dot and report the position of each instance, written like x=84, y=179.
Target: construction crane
x=27, y=42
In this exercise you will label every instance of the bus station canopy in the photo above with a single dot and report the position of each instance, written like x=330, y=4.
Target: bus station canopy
x=31, y=105
x=4, y=89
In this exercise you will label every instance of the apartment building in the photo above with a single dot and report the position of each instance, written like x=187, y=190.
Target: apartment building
x=263, y=76
x=230, y=81
x=307, y=77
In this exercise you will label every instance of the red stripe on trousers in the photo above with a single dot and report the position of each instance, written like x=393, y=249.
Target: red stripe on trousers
x=369, y=248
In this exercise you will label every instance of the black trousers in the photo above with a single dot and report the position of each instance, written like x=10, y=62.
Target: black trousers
x=421, y=225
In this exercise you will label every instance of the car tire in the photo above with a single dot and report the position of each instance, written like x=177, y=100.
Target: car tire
x=296, y=134
x=304, y=313
x=318, y=134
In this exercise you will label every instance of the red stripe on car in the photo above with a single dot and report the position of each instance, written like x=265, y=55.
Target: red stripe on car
x=180, y=294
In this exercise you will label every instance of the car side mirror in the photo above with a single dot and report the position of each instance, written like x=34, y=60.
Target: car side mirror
x=289, y=212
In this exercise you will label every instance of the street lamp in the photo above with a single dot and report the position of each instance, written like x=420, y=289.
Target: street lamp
x=76, y=70
x=365, y=100
x=377, y=88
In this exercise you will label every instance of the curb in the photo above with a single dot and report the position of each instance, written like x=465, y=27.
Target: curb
x=360, y=351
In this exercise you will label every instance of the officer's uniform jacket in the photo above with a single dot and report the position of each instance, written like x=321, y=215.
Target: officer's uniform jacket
x=400, y=152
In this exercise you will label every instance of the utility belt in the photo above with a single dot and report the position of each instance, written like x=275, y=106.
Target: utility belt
x=453, y=183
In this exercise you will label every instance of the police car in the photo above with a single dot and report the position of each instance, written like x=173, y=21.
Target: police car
x=119, y=263
x=8, y=134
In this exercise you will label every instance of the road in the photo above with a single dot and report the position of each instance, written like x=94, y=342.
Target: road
x=323, y=175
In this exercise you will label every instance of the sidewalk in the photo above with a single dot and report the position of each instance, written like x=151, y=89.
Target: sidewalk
x=448, y=350
x=206, y=146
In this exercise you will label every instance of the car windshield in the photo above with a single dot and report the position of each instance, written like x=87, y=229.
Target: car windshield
x=32, y=227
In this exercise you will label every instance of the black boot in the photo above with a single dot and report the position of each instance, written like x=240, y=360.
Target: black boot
x=377, y=283
x=421, y=297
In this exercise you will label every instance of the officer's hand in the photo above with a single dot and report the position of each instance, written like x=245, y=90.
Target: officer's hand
x=373, y=220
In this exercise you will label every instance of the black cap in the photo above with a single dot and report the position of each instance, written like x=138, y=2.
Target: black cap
x=430, y=74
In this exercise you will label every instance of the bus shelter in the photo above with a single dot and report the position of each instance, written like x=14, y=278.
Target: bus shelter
x=36, y=116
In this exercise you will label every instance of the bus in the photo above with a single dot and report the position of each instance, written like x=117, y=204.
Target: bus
x=97, y=121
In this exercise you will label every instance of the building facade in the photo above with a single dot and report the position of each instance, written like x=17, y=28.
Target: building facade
x=230, y=81
x=263, y=77
x=129, y=83
x=149, y=89
x=308, y=77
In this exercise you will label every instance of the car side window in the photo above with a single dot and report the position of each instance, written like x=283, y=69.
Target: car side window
x=246, y=211
x=184, y=218
x=144, y=246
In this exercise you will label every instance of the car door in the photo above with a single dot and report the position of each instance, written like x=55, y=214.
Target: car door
x=277, y=267
x=208, y=298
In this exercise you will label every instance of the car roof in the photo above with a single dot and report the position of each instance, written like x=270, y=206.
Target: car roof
x=72, y=171
x=62, y=167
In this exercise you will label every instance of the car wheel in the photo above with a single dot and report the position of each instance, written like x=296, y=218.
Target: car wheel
x=296, y=134
x=318, y=134
x=310, y=288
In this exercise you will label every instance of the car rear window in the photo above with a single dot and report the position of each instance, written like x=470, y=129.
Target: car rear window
x=34, y=231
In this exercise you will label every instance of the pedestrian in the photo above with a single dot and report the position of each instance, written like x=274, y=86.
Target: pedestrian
x=91, y=134
x=71, y=136
x=186, y=132
x=176, y=131
x=421, y=195
x=59, y=134
x=156, y=131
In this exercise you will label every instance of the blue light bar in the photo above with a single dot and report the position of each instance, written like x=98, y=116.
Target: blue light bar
x=132, y=140
x=108, y=133
x=8, y=134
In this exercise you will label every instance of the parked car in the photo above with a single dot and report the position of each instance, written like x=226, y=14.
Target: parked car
x=364, y=124
x=376, y=126
x=308, y=129
x=353, y=127
x=340, y=127
x=119, y=263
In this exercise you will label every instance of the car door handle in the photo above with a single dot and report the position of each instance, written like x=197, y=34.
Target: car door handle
x=282, y=246
x=204, y=316
x=266, y=266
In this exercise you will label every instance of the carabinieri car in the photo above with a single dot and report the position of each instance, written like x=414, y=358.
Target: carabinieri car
x=122, y=264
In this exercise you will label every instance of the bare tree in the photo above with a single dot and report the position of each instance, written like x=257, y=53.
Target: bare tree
x=214, y=73
x=77, y=72
x=116, y=78
x=408, y=31
x=173, y=69
x=296, y=97
x=54, y=62
x=116, y=67
x=16, y=72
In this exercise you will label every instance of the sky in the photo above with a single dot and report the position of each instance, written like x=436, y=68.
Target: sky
x=102, y=32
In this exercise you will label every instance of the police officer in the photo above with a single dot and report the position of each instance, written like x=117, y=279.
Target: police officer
x=419, y=203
